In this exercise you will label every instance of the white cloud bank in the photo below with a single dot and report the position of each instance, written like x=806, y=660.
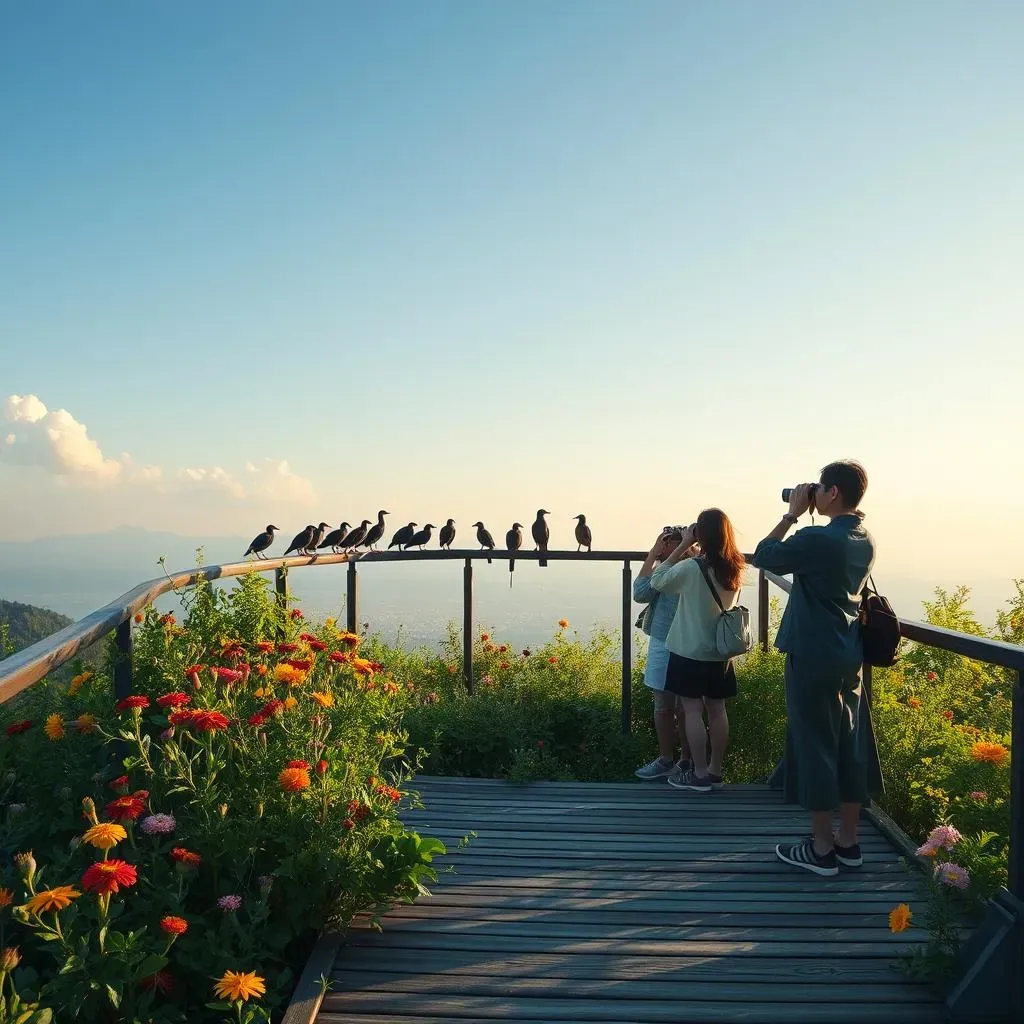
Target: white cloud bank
x=60, y=446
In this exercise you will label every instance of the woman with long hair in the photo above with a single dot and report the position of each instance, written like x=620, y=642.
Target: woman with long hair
x=696, y=672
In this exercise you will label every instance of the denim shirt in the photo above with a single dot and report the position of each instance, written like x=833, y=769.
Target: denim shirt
x=663, y=609
x=830, y=565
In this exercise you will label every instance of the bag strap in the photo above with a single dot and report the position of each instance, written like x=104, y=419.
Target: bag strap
x=711, y=586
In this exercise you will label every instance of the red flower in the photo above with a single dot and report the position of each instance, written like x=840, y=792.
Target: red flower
x=358, y=810
x=265, y=647
x=167, y=620
x=107, y=876
x=266, y=712
x=348, y=823
x=296, y=614
x=307, y=637
x=193, y=672
x=350, y=640
x=293, y=779
x=210, y=721
x=176, y=699
x=173, y=925
x=503, y=648
x=131, y=703
x=233, y=652
x=126, y=808
x=287, y=648
x=317, y=645
x=540, y=743
x=504, y=664
x=947, y=715
x=299, y=664
x=120, y=784
x=161, y=982
x=299, y=764
x=138, y=617
x=931, y=677
x=15, y=727
x=321, y=767
x=185, y=858
x=229, y=675
x=181, y=717
x=552, y=660
x=389, y=792
x=340, y=656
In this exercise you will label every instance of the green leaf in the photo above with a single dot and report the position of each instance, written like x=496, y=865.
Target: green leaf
x=114, y=995
x=153, y=963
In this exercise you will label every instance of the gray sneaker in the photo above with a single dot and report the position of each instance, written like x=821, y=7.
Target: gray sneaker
x=657, y=769
x=689, y=779
x=716, y=780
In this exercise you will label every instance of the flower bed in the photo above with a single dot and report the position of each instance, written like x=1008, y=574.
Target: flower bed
x=174, y=857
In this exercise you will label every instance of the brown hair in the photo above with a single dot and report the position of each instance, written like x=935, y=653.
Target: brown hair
x=717, y=540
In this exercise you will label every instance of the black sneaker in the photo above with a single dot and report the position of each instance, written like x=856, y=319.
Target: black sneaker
x=690, y=780
x=716, y=780
x=849, y=856
x=802, y=855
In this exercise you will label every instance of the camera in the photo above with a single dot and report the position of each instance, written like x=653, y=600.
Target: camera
x=787, y=493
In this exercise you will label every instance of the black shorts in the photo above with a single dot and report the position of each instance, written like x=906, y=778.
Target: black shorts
x=695, y=679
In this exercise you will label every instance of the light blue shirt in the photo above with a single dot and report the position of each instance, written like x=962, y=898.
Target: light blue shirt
x=663, y=606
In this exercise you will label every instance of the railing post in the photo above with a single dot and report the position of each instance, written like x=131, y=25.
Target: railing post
x=627, y=647
x=762, y=609
x=1016, y=880
x=281, y=587
x=467, y=624
x=352, y=599
x=123, y=665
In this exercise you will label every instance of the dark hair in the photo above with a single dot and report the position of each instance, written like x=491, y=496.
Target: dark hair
x=850, y=477
x=717, y=541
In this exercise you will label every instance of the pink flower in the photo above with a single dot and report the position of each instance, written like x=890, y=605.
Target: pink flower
x=927, y=850
x=943, y=837
x=229, y=904
x=953, y=875
x=979, y=795
x=158, y=824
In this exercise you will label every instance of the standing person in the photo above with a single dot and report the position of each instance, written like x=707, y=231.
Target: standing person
x=696, y=671
x=658, y=615
x=829, y=746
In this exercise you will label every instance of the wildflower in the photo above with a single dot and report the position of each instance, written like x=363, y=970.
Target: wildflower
x=563, y=623
x=238, y=986
x=167, y=620
x=54, y=728
x=120, y=784
x=52, y=900
x=432, y=698
x=290, y=703
x=284, y=648
x=161, y=982
x=489, y=647
x=86, y=723
x=185, y=858
x=302, y=664
x=389, y=792
x=540, y=744
x=265, y=647
x=484, y=637
x=158, y=824
x=9, y=960
x=321, y=767
x=105, y=835
x=229, y=904
x=913, y=702
x=107, y=876
x=125, y=808
x=167, y=734
x=294, y=779
x=285, y=673
x=504, y=665
x=330, y=622
x=298, y=764
x=26, y=865
x=944, y=837
x=261, y=670
x=899, y=918
x=552, y=660
x=340, y=657
x=947, y=715
x=993, y=753
x=316, y=645
x=325, y=699
x=138, y=617
x=175, y=926
x=228, y=675
x=979, y=795
x=503, y=649
x=175, y=699
x=363, y=667
x=348, y=823
x=78, y=682
x=358, y=810
x=18, y=727
x=6, y=898
x=952, y=875
x=296, y=615
x=931, y=677
x=266, y=712
x=350, y=639
x=452, y=669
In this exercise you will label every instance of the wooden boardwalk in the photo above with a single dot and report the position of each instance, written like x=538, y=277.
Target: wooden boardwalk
x=630, y=903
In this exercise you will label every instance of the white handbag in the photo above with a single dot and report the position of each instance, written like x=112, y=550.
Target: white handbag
x=732, y=630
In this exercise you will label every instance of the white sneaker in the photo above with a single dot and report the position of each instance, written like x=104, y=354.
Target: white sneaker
x=657, y=769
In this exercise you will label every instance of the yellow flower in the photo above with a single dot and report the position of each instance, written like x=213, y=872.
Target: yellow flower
x=325, y=700
x=330, y=623
x=85, y=722
x=52, y=899
x=289, y=674
x=993, y=753
x=105, y=835
x=237, y=985
x=899, y=918
x=261, y=692
x=76, y=684
x=6, y=897
x=290, y=703
x=54, y=727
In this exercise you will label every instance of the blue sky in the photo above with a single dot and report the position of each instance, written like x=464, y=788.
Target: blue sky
x=466, y=258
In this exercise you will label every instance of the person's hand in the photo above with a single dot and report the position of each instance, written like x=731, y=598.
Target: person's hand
x=659, y=545
x=800, y=499
x=689, y=537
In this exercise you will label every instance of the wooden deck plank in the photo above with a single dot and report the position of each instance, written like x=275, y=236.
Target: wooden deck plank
x=630, y=903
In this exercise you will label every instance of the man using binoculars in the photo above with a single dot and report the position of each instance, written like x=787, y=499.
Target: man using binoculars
x=829, y=743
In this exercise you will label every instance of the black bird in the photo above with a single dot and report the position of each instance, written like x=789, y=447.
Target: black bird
x=447, y=534
x=584, y=538
x=422, y=537
x=541, y=533
x=318, y=535
x=335, y=537
x=301, y=540
x=376, y=531
x=261, y=542
x=356, y=538
x=513, y=541
x=483, y=535
x=402, y=537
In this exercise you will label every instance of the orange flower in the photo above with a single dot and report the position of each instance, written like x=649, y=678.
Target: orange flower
x=85, y=723
x=6, y=898
x=350, y=639
x=563, y=623
x=105, y=835
x=185, y=858
x=325, y=699
x=290, y=703
x=294, y=779
x=54, y=728
x=993, y=753
x=484, y=637
x=362, y=666
x=913, y=702
x=236, y=986
x=52, y=900
x=107, y=876
x=261, y=670
x=173, y=925
x=899, y=918
x=552, y=660
x=286, y=673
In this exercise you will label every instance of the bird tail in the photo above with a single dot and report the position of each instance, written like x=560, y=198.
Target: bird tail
x=511, y=569
x=543, y=561
x=488, y=561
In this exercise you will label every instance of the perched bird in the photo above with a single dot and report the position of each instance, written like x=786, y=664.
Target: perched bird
x=541, y=533
x=447, y=534
x=356, y=538
x=376, y=531
x=513, y=542
x=584, y=537
x=483, y=535
x=301, y=540
x=261, y=542
x=335, y=537
x=421, y=537
x=402, y=537
x=318, y=535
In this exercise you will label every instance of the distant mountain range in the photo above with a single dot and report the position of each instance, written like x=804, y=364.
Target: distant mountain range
x=26, y=623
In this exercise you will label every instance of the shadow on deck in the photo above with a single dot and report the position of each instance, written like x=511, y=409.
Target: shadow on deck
x=631, y=903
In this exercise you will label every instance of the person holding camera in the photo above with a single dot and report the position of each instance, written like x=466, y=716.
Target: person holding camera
x=829, y=745
x=706, y=587
x=655, y=621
